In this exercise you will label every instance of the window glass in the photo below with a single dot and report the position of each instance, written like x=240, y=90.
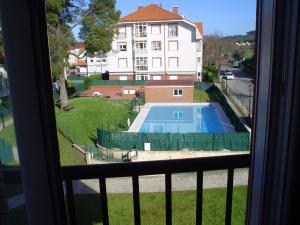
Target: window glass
x=122, y=33
x=156, y=45
x=173, y=30
x=173, y=62
x=141, y=63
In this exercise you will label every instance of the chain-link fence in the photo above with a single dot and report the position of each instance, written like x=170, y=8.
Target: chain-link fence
x=6, y=152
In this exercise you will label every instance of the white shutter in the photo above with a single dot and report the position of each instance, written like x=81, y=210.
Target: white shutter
x=155, y=29
x=173, y=45
x=156, y=62
x=173, y=62
x=122, y=63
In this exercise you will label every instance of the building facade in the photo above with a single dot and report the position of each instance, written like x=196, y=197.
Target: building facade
x=169, y=91
x=152, y=44
x=156, y=44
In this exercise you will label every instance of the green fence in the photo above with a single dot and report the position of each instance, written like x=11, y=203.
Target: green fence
x=238, y=141
x=6, y=153
x=118, y=82
x=76, y=78
x=203, y=85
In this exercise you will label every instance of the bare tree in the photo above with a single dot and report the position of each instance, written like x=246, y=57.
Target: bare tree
x=217, y=50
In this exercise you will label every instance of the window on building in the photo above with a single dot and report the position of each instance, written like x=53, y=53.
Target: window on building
x=122, y=47
x=156, y=45
x=122, y=32
x=177, y=92
x=155, y=29
x=199, y=60
x=173, y=30
x=173, y=62
x=141, y=47
x=142, y=76
x=156, y=62
x=177, y=115
x=141, y=63
x=122, y=63
x=199, y=46
x=173, y=45
x=141, y=30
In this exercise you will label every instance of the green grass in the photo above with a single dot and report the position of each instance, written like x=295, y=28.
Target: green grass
x=120, y=206
x=80, y=123
x=8, y=135
x=201, y=96
x=68, y=155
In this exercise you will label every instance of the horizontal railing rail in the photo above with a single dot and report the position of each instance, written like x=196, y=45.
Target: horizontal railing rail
x=136, y=169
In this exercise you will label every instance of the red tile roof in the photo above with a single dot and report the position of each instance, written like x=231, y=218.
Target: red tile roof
x=151, y=12
x=170, y=83
x=81, y=63
x=199, y=26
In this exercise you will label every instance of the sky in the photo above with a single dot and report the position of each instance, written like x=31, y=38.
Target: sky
x=224, y=17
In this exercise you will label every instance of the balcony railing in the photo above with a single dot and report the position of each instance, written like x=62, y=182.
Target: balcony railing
x=136, y=169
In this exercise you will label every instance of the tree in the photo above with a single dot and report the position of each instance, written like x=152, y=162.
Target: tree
x=98, y=21
x=216, y=51
x=98, y=27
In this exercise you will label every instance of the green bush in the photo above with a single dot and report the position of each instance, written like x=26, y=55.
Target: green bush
x=210, y=74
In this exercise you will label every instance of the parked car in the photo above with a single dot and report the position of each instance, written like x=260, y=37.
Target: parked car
x=229, y=75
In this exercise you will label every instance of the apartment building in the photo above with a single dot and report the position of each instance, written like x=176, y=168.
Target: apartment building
x=152, y=44
x=156, y=44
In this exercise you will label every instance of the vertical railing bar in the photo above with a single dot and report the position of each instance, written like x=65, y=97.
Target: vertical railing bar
x=70, y=202
x=229, y=196
x=168, y=184
x=103, y=200
x=136, y=200
x=199, y=202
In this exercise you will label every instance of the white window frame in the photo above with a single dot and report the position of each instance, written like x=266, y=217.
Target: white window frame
x=122, y=35
x=141, y=47
x=170, y=44
x=155, y=26
x=156, y=45
x=178, y=92
x=156, y=58
x=173, y=30
x=119, y=62
x=123, y=78
x=141, y=63
x=170, y=62
x=140, y=30
x=142, y=76
x=122, y=46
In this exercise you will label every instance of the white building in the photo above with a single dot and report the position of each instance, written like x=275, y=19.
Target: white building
x=84, y=65
x=152, y=44
x=4, y=86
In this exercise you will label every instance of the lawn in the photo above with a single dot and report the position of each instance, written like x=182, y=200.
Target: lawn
x=68, y=155
x=81, y=122
x=201, y=96
x=153, y=208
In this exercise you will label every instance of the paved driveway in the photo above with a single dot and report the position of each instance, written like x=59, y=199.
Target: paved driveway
x=180, y=182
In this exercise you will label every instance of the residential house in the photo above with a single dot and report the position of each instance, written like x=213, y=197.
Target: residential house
x=152, y=44
x=155, y=44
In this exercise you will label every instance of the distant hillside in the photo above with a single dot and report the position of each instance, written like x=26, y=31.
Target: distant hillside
x=249, y=37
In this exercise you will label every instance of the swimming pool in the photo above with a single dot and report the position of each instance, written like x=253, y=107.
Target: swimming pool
x=182, y=118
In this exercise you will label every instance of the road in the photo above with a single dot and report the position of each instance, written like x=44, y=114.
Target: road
x=242, y=87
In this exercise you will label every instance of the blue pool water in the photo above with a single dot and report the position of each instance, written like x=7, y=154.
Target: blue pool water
x=182, y=119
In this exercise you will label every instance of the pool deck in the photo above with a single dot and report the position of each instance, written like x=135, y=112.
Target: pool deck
x=138, y=122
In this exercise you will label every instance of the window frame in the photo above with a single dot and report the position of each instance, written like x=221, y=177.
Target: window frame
x=153, y=46
x=173, y=41
x=155, y=25
x=125, y=33
x=171, y=32
x=141, y=66
x=177, y=92
x=160, y=62
x=119, y=44
x=119, y=59
x=170, y=62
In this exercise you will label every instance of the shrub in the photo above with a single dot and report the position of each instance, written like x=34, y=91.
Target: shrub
x=210, y=74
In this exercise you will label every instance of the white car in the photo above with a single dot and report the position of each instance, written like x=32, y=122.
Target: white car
x=229, y=75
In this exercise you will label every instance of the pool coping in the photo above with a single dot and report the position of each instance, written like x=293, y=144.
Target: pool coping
x=139, y=120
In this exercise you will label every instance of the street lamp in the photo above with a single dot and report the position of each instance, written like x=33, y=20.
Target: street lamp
x=250, y=98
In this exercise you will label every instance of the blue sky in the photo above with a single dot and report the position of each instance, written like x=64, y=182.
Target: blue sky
x=225, y=17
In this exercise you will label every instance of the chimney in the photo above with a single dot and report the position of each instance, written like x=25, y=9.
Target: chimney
x=140, y=7
x=175, y=10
